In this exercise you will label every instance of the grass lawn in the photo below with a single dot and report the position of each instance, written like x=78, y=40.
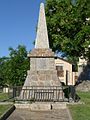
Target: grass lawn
x=81, y=111
x=4, y=108
x=3, y=96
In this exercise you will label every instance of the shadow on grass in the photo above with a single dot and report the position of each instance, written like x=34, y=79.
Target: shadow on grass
x=70, y=93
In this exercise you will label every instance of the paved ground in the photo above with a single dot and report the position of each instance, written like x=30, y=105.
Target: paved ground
x=24, y=114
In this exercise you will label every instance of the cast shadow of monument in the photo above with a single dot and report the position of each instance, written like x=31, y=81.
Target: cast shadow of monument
x=70, y=94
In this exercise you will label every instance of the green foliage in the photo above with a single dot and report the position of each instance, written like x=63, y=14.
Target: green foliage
x=3, y=62
x=14, y=68
x=69, y=27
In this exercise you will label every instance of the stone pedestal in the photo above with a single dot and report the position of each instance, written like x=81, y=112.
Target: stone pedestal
x=42, y=69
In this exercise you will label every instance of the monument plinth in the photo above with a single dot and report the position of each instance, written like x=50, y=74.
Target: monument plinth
x=42, y=64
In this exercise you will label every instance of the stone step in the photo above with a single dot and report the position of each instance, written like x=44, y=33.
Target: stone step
x=37, y=106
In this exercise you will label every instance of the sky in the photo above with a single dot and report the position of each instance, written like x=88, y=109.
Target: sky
x=18, y=21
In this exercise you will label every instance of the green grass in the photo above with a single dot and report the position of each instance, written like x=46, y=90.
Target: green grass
x=4, y=108
x=3, y=96
x=81, y=111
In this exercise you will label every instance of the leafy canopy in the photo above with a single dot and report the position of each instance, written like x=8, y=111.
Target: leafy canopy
x=14, y=68
x=69, y=27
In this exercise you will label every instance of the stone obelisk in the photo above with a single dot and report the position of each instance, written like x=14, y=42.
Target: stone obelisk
x=42, y=35
x=42, y=65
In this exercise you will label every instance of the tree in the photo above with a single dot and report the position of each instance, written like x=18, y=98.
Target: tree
x=2, y=70
x=69, y=27
x=18, y=65
x=14, y=68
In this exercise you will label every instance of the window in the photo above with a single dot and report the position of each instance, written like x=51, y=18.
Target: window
x=60, y=71
x=59, y=68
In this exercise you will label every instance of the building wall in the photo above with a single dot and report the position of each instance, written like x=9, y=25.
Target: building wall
x=82, y=62
x=83, y=69
x=75, y=77
x=68, y=76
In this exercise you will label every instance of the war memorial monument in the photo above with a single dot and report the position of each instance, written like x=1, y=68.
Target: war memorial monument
x=42, y=83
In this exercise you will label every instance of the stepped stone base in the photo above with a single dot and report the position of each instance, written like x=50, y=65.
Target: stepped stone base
x=42, y=106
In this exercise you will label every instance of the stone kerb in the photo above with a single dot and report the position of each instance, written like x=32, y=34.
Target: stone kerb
x=42, y=106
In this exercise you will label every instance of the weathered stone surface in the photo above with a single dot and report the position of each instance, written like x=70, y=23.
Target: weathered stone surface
x=41, y=106
x=41, y=111
x=26, y=114
x=42, y=64
x=42, y=78
x=58, y=106
x=41, y=53
x=42, y=35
